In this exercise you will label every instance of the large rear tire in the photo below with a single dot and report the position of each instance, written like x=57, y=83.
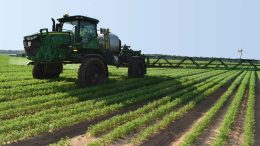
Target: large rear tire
x=136, y=68
x=47, y=70
x=92, y=71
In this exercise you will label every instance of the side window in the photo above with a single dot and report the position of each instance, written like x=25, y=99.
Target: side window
x=87, y=30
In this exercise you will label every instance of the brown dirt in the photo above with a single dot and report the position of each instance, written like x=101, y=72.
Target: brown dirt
x=126, y=141
x=257, y=115
x=206, y=138
x=176, y=129
x=179, y=140
x=236, y=135
x=81, y=140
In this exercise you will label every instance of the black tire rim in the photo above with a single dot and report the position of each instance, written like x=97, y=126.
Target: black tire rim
x=94, y=74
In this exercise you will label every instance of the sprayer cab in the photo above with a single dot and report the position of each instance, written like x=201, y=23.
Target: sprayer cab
x=81, y=27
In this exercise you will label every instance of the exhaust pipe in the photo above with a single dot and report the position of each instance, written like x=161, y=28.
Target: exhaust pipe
x=53, y=24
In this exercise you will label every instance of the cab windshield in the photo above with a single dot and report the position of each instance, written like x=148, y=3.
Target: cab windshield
x=81, y=31
x=87, y=30
x=69, y=26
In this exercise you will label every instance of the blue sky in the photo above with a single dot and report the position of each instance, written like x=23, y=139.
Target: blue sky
x=210, y=28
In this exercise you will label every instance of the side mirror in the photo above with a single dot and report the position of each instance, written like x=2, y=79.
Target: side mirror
x=102, y=30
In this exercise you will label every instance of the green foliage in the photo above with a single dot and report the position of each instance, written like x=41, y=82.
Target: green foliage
x=4, y=59
x=248, y=133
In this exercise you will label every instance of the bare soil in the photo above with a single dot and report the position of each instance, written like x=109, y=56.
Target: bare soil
x=81, y=140
x=257, y=115
x=177, y=128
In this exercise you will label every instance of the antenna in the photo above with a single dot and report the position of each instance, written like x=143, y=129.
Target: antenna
x=240, y=50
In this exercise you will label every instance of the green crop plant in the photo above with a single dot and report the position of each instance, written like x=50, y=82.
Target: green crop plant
x=248, y=132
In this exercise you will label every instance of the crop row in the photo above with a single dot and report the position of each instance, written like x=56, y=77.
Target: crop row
x=14, y=84
x=35, y=87
x=18, y=76
x=38, y=103
x=82, y=94
x=15, y=78
x=37, y=90
x=109, y=88
x=226, y=124
x=164, y=110
x=27, y=75
x=13, y=68
x=87, y=94
x=169, y=118
x=11, y=94
x=58, y=100
x=248, y=133
x=120, y=119
x=200, y=126
x=48, y=120
x=11, y=80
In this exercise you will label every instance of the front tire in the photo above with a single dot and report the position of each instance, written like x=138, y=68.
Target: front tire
x=38, y=71
x=47, y=70
x=136, y=68
x=92, y=72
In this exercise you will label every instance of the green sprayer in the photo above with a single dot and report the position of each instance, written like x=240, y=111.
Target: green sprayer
x=76, y=40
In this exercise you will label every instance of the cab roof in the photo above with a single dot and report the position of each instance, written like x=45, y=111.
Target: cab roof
x=78, y=17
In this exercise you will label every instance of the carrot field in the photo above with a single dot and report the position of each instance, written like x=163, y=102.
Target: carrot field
x=168, y=107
